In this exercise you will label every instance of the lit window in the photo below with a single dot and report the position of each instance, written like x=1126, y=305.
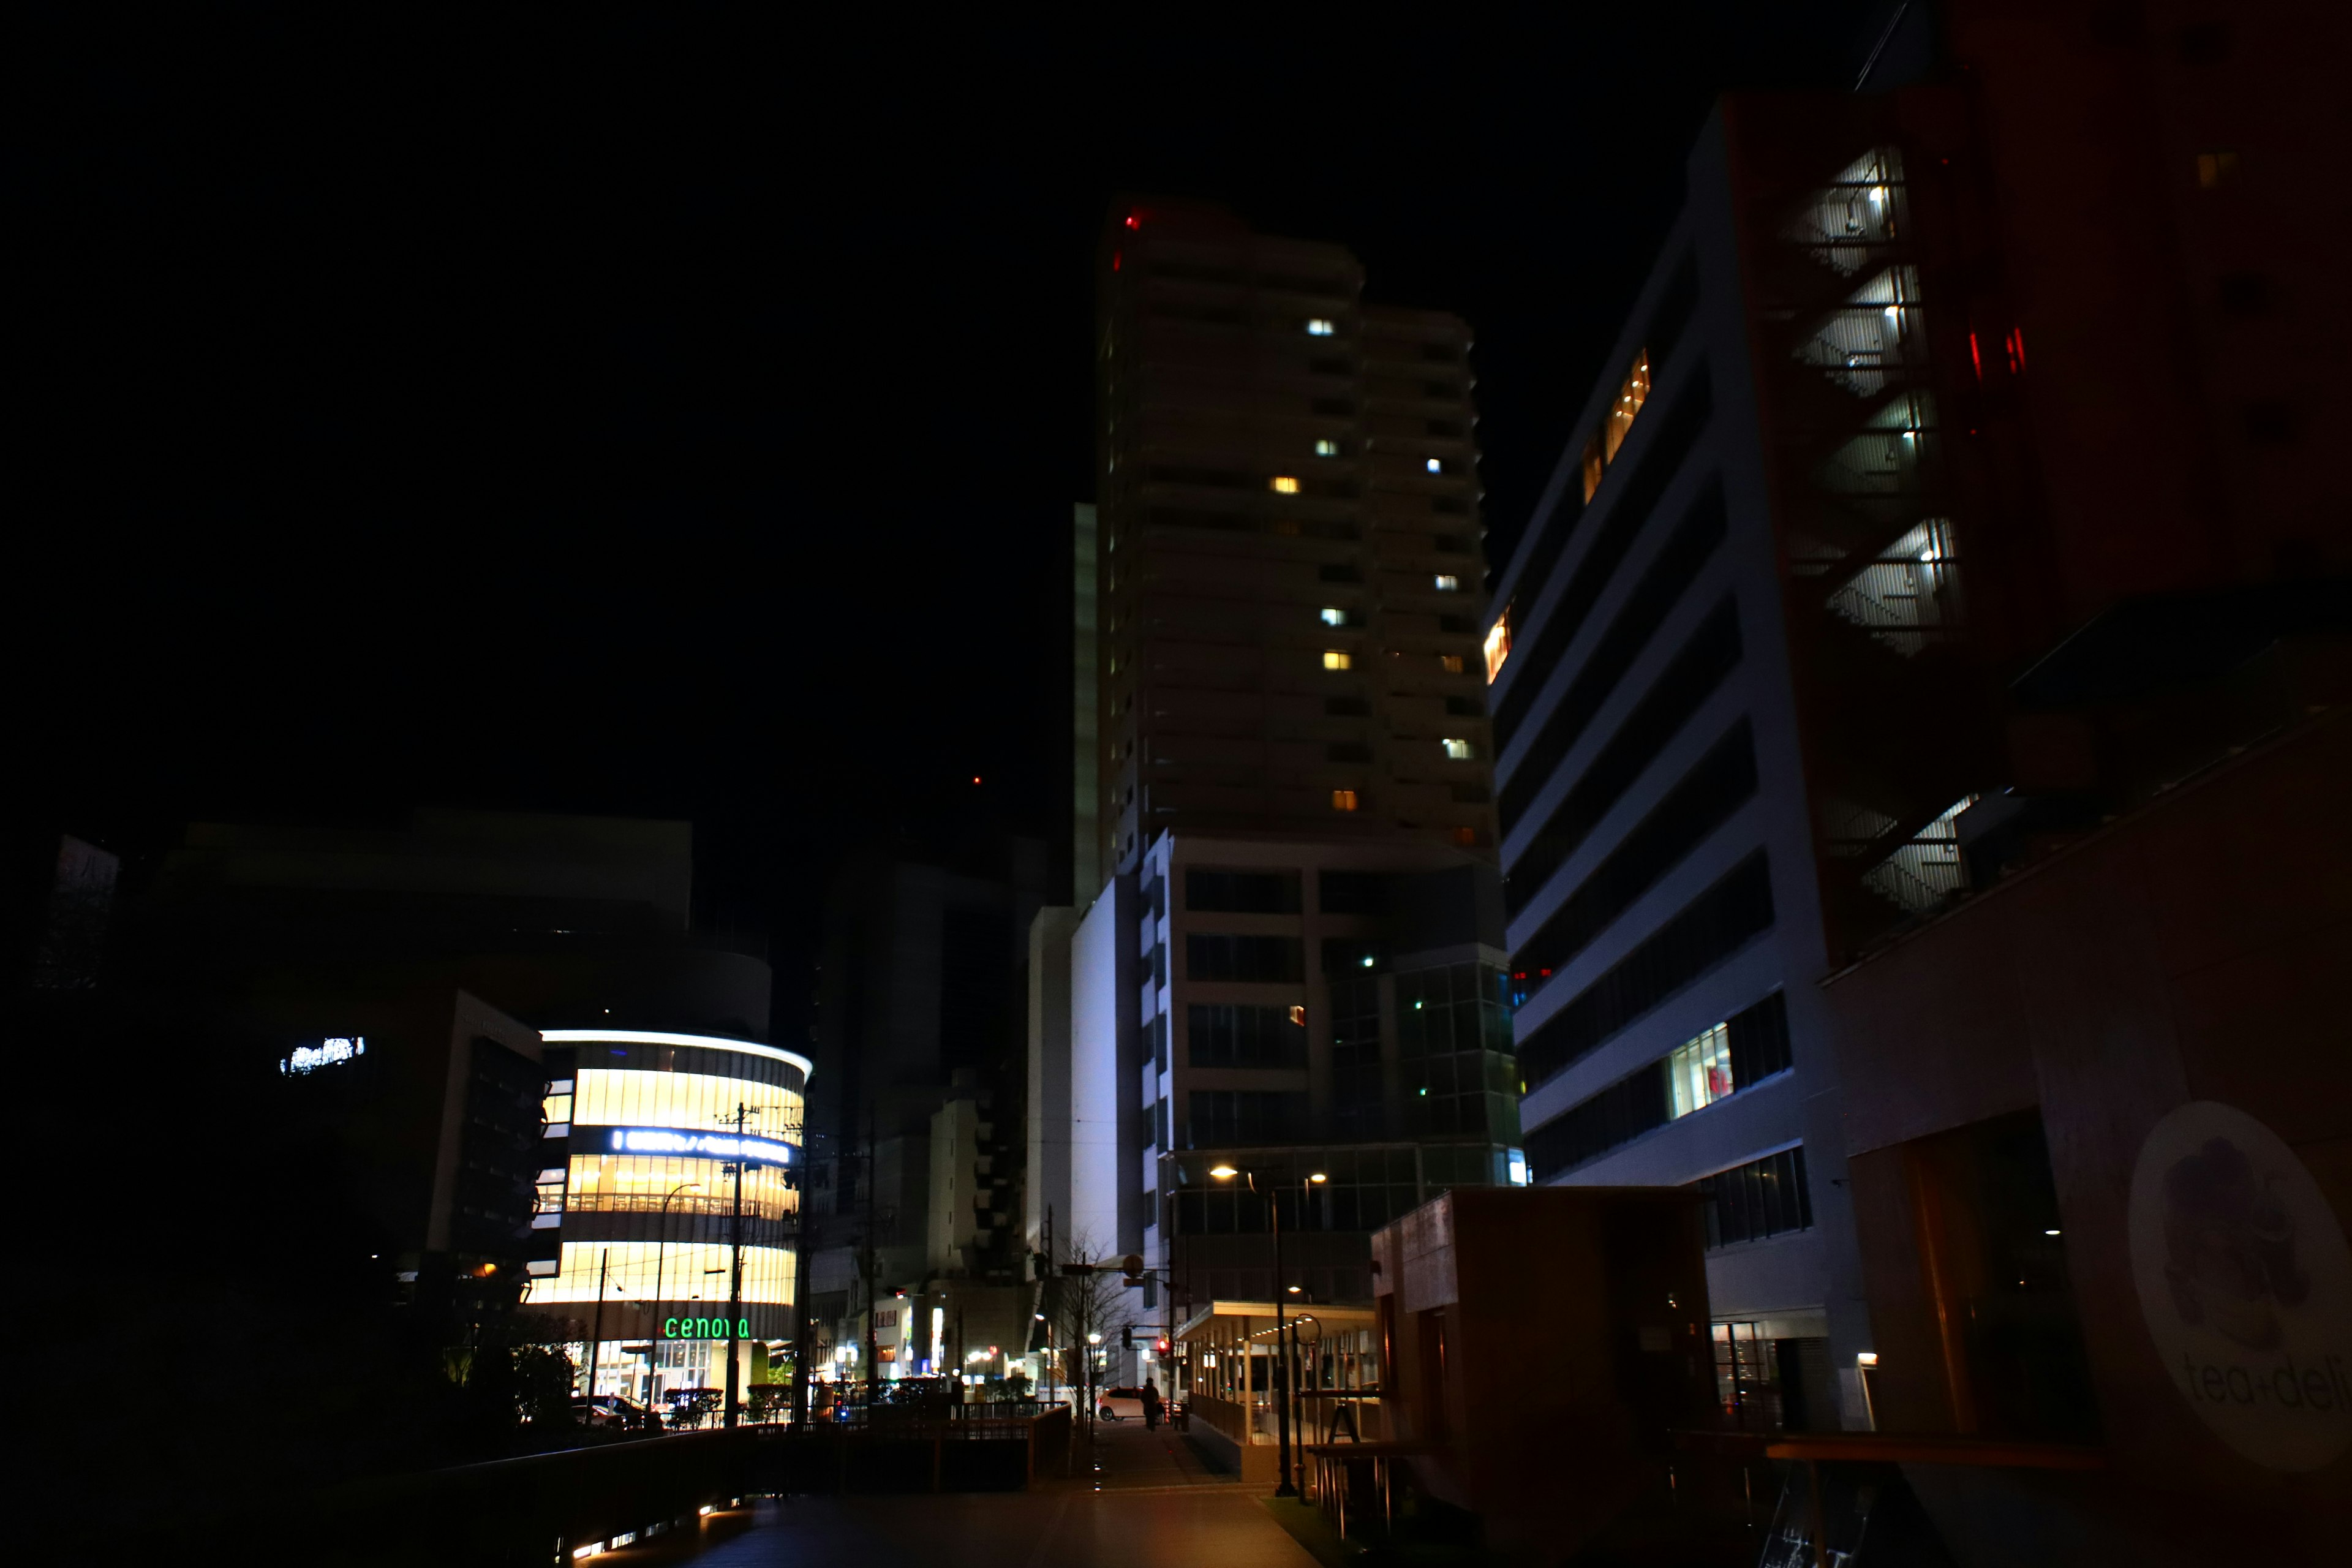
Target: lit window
x=1334, y=616
x=1450, y=662
x=1459, y=750
x=1327, y=449
x=1467, y=837
x=2215, y=169
x=1602, y=450
x=1698, y=1072
x=1319, y=328
x=1498, y=644
x=1337, y=658
x=1436, y=466
x=1448, y=584
x=1283, y=484
x=1343, y=800
x=1629, y=398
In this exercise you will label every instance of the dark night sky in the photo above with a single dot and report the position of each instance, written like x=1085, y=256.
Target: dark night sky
x=677, y=423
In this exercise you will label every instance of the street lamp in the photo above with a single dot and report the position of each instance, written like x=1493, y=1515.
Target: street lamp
x=1282, y=1395
x=661, y=1250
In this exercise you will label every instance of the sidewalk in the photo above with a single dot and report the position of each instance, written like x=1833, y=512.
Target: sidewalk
x=1128, y=1456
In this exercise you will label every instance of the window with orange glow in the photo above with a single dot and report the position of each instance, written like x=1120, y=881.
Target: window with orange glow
x=1602, y=450
x=1450, y=662
x=1283, y=484
x=1337, y=658
x=1498, y=644
x=1343, y=800
x=1629, y=398
x=2215, y=169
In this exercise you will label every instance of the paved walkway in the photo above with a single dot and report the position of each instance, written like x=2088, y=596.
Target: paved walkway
x=1127, y=1456
x=1161, y=1527
x=1149, y=1502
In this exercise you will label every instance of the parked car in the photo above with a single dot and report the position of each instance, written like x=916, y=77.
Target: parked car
x=691, y=1407
x=1119, y=1404
x=608, y=1410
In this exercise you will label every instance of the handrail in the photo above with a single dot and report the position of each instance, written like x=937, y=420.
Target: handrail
x=1893, y=1448
x=1933, y=1448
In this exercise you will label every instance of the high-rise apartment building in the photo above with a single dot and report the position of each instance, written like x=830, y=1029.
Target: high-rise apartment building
x=1286, y=555
x=1286, y=956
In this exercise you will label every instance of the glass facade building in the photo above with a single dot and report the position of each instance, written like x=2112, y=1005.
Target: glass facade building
x=664, y=1155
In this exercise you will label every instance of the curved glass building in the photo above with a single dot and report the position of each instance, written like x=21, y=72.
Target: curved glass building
x=647, y=1133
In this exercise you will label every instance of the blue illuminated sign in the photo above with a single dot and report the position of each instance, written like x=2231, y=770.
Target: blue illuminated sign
x=679, y=1141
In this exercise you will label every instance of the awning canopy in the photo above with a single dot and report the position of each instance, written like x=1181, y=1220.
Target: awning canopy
x=1228, y=1322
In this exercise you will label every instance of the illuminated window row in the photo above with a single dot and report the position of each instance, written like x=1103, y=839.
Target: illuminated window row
x=682, y=1271
x=631, y=1098
x=1341, y=659
x=633, y=1183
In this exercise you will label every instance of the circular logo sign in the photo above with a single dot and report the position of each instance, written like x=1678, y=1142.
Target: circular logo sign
x=2246, y=1284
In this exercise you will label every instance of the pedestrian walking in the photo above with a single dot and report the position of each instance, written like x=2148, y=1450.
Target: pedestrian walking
x=1150, y=1406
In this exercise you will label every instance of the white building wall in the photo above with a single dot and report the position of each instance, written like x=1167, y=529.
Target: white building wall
x=1807, y=1283
x=1097, y=1089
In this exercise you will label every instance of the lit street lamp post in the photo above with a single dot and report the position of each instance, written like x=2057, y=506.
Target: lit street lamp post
x=1282, y=1373
x=661, y=1248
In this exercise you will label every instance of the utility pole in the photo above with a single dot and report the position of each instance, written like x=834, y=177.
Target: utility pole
x=803, y=1324
x=597, y=1336
x=1046, y=1300
x=735, y=1277
x=872, y=1340
x=1168, y=1299
x=1282, y=1390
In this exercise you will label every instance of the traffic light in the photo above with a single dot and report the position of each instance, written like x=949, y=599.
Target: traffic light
x=1161, y=1345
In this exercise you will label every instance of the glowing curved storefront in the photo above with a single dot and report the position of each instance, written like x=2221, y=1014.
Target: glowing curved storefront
x=645, y=1132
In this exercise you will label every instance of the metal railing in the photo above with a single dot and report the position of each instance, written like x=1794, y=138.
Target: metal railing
x=1347, y=1481
x=718, y=1208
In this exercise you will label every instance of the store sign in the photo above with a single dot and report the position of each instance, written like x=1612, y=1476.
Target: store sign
x=704, y=1328
x=332, y=1051
x=2246, y=1284
x=694, y=1145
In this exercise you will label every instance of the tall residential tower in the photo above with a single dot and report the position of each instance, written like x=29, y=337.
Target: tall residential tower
x=1286, y=555
x=1287, y=957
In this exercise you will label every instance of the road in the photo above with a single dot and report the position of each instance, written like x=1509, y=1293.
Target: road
x=1150, y=1504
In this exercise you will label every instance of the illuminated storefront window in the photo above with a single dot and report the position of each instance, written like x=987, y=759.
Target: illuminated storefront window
x=701, y=1102
x=693, y=1275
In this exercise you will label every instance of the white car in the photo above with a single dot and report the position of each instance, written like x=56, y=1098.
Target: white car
x=1119, y=1404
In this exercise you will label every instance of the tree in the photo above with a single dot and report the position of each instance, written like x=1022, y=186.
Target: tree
x=542, y=1386
x=1084, y=1304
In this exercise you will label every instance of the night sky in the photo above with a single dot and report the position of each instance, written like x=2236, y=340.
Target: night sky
x=681, y=423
